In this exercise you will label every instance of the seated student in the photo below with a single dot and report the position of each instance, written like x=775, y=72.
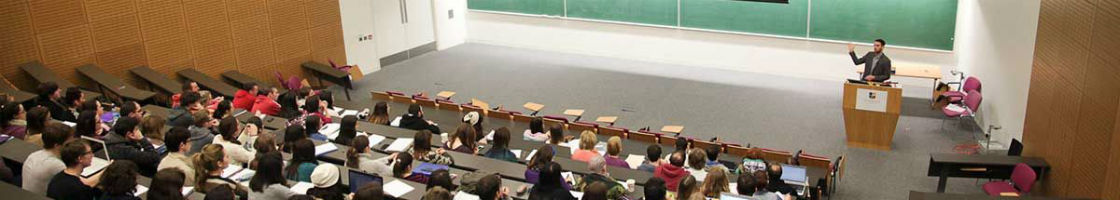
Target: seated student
x=269, y=182
x=292, y=134
x=37, y=119
x=761, y=181
x=221, y=192
x=696, y=161
x=437, y=193
x=131, y=109
x=596, y=191
x=422, y=150
x=89, y=125
x=188, y=87
x=311, y=128
x=327, y=183
x=598, y=168
x=715, y=183
x=347, y=129
x=182, y=116
x=152, y=127
x=475, y=121
x=614, y=148
x=41, y=165
x=536, y=131
x=500, y=149
x=551, y=184
x=118, y=181
x=177, y=141
x=682, y=144
x=462, y=141
x=303, y=161
x=380, y=114
x=655, y=189
x=251, y=131
x=13, y=120
x=245, y=97
x=127, y=143
x=752, y=162
x=358, y=157
x=490, y=188
x=587, y=142
x=776, y=184
x=50, y=97
x=207, y=100
x=653, y=158
x=316, y=108
x=328, y=103
x=537, y=164
x=201, y=132
x=267, y=104
x=688, y=189
x=415, y=120
x=402, y=168
x=223, y=110
x=73, y=99
x=167, y=184
x=265, y=143
x=229, y=138
x=289, y=106
x=672, y=172
x=68, y=183
x=370, y=191
x=441, y=178
x=712, y=155
x=209, y=164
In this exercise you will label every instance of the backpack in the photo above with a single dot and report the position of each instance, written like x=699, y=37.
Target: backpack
x=469, y=182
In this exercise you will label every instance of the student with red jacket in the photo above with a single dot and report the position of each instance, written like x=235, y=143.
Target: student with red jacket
x=673, y=172
x=244, y=98
x=266, y=104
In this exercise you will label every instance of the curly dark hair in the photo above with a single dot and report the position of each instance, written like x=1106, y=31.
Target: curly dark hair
x=119, y=178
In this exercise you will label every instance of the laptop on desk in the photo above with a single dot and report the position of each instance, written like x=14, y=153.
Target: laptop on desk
x=359, y=179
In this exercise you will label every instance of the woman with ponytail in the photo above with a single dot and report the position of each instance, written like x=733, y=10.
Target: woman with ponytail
x=209, y=165
x=303, y=161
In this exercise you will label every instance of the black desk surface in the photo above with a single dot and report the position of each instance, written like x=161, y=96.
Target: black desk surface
x=12, y=192
x=915, y=195
x=43, y=75
x=241, y=79
x=157, y=80
x=987, y=159
x=6, y=87
x=324, y=70
x=114, y=84
x=208, y=82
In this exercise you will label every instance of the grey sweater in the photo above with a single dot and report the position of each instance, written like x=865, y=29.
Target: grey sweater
x=272, y=192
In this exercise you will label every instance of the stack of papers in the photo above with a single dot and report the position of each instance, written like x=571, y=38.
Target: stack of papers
x=635, y=160
x=516, y=152
x=375, y=139
x=301, y=187
x=325, y=148
x=530, y=156
x=400, y=145
x=95, y=167
x=230, y=171
x=396, y=188
x=330, y=130
x=140, y=190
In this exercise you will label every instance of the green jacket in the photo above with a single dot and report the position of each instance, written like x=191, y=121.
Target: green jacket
x=615, y=189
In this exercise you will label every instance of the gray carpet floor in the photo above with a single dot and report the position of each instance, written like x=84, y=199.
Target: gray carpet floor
x=747, y=108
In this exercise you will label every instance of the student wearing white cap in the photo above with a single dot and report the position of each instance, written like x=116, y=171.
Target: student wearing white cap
x=326, y=181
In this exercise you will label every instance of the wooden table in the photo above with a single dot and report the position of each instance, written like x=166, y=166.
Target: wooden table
x=157, y=80
x=945, y=165
x=240, y=80
x=42, y=75
x=915, y=195
x=112, y=84
x=322, y=71
x=208, y=82
x=6, y=87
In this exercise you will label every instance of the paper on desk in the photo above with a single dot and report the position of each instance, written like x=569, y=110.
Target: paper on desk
x=95, y=167
x=465, y=196
x=187, y=190
x=400, y=145
x=243, y=175
x=396, y=122
x=635, y=160
x=337, y=109
x=578, y=195
x=733, y=187
x=330, y=129
x=516, y=152
x=601, y=148
x=567, y=175
x=375, y=139
x=396, y=188
x=531, y=154
x=325, y=148
x=140, y=190
x=301, y=187
x=348, y=112
x=70, y=124
x=490, y=136
x=230, y=170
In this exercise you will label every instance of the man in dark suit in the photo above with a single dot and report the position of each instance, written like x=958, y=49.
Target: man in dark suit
x=877, y=67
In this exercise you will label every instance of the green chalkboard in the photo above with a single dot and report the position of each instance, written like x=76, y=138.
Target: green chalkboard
x=536, y=7
x=659, y=12
x=915, y=23
x=747, y=16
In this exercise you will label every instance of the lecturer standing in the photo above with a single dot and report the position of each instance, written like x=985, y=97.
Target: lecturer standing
x=877, y=67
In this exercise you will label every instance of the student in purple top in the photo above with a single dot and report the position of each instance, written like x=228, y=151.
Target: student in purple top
x=614, y=147
x=540, y=160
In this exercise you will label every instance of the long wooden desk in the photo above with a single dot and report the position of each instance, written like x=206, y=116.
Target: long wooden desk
x=239, y=80
x=42, y=75
x=208, y=82
x=945, y=165
x=6, y=87
x=113, y=84
x=915, y=195
x=156, y=80
x=322, y=71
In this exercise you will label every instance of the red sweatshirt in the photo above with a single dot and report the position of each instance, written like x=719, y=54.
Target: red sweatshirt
x=243, y=100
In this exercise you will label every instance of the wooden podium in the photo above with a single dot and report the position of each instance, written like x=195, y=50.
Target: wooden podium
x=870, y=115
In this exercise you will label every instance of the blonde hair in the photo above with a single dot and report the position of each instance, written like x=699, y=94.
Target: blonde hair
x=716, y=182
x=614, y=146
x=209, y=159
x=587, y=140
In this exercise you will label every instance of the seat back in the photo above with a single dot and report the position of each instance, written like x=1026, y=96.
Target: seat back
x=620, y=132
x=500, y=114
x=775, y=155
x=425, y=102
x=582, y=126
x=380, y=96
x=1023, y=177
x=469, y=108
x=449, y=106
x=972, y=101
x=705, y=145
x=1016, y=148
x=665, y=140
x=402, y=99
x=522, y=118
x=971, y=84
x=550, y=122
x=738, y=151
x=814, y=161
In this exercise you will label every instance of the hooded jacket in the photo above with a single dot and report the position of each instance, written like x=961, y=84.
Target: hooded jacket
x=140, y=152
x=414, y=122
x=671, y=174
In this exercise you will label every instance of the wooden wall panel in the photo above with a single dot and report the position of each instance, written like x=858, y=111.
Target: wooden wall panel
x=212, y=36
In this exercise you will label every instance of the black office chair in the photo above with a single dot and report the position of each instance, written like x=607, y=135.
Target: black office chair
x=1016, y=148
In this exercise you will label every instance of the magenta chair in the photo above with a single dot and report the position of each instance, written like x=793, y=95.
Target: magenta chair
x=291, y=84
x=344, y=68
x=1022, y=178
x=970, y=84
x=967, y=108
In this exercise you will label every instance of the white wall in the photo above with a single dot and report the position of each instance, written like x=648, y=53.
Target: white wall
x=357, y=21
x=995, y=43
x=451, y=29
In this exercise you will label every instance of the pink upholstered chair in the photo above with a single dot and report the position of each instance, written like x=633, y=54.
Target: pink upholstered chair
x=967, y=108
x=970, y=84
x=293, y=83
x=1022, y=178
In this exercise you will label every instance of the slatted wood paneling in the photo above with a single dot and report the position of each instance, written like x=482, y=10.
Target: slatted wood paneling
x=1073, y=108
x=257, y=37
